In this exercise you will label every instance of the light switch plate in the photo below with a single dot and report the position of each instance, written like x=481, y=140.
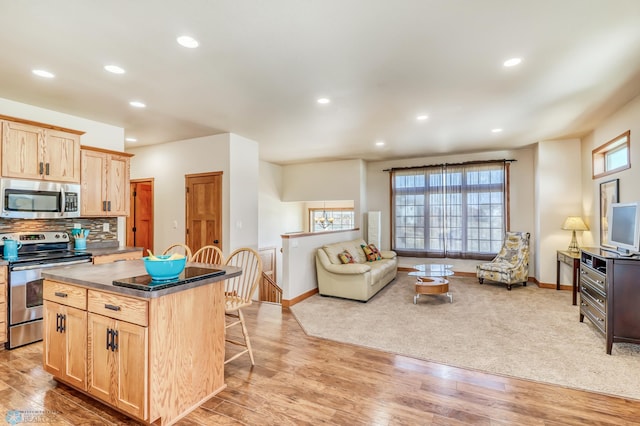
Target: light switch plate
x=105, y=227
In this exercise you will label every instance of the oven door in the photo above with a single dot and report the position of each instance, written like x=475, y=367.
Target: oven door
x=25, y=296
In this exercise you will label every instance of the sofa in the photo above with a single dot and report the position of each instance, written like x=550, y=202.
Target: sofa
x=359, y=280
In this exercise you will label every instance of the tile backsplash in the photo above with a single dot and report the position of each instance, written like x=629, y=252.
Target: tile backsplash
x=97, y=235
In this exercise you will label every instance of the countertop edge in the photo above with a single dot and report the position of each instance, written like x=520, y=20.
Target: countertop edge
x=93, y=277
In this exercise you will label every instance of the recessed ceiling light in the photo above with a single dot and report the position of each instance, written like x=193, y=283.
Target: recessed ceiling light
x=137, y=104
x=496, y=130
x=131, y=140
x=324, y=100
x=380, y=143
x=187, y=41
x=422, y=117
x=43, y=73
x=114, y=69
x=512, y=62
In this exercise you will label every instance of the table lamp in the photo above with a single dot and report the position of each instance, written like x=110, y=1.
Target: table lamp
x=574, y=223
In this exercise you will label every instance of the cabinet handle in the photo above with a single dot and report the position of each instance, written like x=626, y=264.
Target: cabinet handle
x=58, y=326
x=47, y=169
x=111, y=307
x=41, y=168
x=59, y=294
x=104, y=206
x=114, y=344
x=108, y=206
x=63, y=323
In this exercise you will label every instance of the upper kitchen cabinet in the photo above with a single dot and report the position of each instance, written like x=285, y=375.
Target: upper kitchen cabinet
x=41, y=152
x=104, y=182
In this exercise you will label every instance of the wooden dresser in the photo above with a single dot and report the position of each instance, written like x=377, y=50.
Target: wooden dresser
x=610, y=294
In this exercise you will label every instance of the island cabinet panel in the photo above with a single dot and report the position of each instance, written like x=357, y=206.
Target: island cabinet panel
x=186, y=351
x=64, y=350
x=117, y=364
x=33, y=152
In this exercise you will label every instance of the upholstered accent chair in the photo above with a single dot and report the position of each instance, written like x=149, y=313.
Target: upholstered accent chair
x=511, y=265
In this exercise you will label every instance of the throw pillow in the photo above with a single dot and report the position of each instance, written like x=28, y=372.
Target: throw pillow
x=375, y=251
x=346, y=257
x=371, y=256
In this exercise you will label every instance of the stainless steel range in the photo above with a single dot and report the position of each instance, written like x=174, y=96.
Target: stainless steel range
x=40, y=250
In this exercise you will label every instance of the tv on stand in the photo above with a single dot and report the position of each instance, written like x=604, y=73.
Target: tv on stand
x=623, y=232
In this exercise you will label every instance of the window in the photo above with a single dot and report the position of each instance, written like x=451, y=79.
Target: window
x=457, y=211
x=321, y=220
x=612, y=157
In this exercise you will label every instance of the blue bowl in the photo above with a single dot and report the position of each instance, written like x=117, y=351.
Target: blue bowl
x=164, y=269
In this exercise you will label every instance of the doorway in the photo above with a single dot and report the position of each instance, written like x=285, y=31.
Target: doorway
x=203, y=210
x=140, y=219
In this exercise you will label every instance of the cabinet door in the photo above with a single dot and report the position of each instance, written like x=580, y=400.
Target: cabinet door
x=93, y=183
x=22, y=146
x=118, y=374
x=118, y=185
x=132, y=369
x=65, y=342
x=62, y=156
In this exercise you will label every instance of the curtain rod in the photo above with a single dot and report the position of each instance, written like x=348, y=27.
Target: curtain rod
x=449, y=164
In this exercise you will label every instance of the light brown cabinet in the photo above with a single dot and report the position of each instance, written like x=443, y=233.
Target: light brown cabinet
x=143, y=356
x=34, y=152
x=104, y=182
x=65, y=333
x=117, y=355
x=3, y=304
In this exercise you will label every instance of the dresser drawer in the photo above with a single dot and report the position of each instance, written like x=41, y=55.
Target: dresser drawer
x=594, y=279
x=119, y=307
x=594, y=315
x=65, y=294
x=594, y=297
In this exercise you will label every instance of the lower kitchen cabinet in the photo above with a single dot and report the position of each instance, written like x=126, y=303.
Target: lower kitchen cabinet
x=117, y=363
x=64, y=350
x=3, y=304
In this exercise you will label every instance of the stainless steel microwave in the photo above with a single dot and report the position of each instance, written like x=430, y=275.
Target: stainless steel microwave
x=33, y=199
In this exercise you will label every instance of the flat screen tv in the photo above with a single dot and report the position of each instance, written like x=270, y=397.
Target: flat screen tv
x=624, y=227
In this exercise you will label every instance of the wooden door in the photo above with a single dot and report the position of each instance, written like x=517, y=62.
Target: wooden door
x=75, y=331
x=22, y=146
x=204, y=210
x=62, y=156
x=140, y=219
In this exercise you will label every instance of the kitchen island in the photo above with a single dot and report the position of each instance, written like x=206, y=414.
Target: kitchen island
x=154, y=355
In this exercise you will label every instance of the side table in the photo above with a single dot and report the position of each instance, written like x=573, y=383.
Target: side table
x=572, y=259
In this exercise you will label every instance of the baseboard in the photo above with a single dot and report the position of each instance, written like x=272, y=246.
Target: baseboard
x=286, y=303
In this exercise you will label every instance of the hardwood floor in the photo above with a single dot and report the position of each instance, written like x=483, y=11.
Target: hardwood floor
x=301, y=380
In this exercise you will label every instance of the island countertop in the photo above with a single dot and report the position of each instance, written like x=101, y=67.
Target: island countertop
x=101, y=277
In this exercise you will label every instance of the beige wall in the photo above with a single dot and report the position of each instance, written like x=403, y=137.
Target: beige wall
x=627, y=118
x=558, y=195
x=234, y=156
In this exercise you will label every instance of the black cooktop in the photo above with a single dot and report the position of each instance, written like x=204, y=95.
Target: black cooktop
x=190, y=274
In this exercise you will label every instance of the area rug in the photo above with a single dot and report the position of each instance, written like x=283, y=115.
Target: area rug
x=529, y=333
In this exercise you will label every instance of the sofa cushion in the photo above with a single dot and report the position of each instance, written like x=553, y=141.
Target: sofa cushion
x=368, y=253
x=345, y=257
x=375, y=250
x=353, y=246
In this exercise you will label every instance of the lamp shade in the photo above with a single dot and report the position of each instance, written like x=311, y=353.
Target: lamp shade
x=574, y=223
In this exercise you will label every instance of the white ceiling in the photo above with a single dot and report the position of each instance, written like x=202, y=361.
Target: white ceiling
x=261, y=65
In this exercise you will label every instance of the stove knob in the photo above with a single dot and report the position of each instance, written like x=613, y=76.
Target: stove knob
x=65, y=236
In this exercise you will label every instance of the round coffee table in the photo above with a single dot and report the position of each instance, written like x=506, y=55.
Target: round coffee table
x=430, y=280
